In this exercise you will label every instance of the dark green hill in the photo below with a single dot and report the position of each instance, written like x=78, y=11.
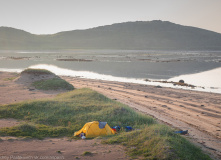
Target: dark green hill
x=130, y=35
x=11, y=38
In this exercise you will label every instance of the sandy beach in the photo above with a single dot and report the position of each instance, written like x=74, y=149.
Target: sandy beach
x=197, y=112
x=49, y=148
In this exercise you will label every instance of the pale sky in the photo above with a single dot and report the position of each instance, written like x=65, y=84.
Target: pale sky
x=52, y=16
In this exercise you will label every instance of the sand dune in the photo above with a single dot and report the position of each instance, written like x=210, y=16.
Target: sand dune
x=18, y=90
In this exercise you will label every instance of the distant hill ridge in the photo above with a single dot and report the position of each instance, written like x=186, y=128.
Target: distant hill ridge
x=154, y=35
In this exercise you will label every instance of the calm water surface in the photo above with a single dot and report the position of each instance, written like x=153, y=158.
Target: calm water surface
x=118, y=63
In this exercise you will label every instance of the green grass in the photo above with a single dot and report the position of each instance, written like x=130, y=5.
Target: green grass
x=53, y=84
x=36, y=71
x=87, y=153
x=68, y=112
x=157, y=142
x=39, y=131
x=10, y=79
x=59, y=152
x=72, y=110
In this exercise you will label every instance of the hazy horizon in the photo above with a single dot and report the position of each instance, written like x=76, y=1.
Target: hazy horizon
x=53, y=16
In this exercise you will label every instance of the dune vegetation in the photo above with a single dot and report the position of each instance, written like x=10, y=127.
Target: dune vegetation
x=36, y=71
x=53, y=84
x=68, y=112
x=45, y=80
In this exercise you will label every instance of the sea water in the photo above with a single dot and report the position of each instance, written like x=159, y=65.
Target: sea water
x=202, y=69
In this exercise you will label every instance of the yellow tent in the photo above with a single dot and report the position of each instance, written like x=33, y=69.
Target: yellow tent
x=94, y=129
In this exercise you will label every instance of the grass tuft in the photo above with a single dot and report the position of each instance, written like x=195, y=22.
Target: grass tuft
x=53, y=84
x=59, y=152
x=36, y=71
x=27, y=128
x=87, y=153
x=39, y=131
x=9, y=79
x=157, y=142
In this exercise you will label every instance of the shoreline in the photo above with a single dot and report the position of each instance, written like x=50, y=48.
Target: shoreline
x=193, y=82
